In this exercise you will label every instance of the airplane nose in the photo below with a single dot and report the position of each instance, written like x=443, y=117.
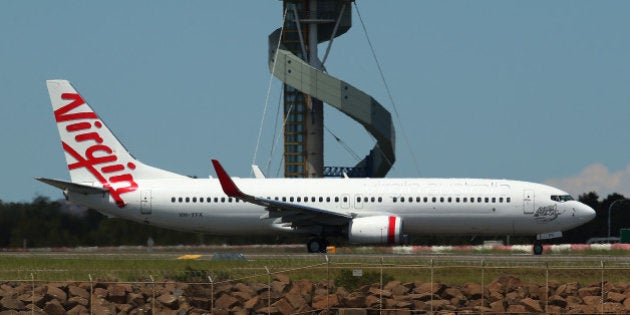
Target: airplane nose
x=585, y=213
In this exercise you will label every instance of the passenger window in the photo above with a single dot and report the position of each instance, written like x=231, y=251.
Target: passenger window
x=457, y=199
x=508, y=199
x=230, y=199
x=372, y=199
x=173, y=199
x=291, y=199
x=299, y=199
x=321, y=199
x=450, y=199
x=313, y=199
x=434, y=199
x=441, y=199
x=395, y=199
x=345, y=199
x=284, y=199
x=479, y=199
x=336, y=199
x=494, y=199
x=209, y=200
x=465, y=199
x=380, y=199
x=402, y=199
x=426, y=199
x=216, y=200
x=327, y=199
x=365, y=199
x=187, y=199
x=194, y=199
x=500, y=199
x=487, y=200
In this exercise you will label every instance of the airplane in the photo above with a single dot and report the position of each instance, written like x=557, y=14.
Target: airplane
x=104, y=176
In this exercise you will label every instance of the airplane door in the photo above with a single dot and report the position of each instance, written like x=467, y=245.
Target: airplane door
x=528, y=201
x=145, y=202
x=345, y=202
x=358, y=202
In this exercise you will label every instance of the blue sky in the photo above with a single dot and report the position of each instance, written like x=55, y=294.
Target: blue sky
x=530, y=90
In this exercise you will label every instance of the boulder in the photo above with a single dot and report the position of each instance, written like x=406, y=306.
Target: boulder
x=532, y=305
x=325, y=301
x=78, y=310
x=472, y=291
x=283, y=307
x=54, y=308
x=11, y=303
x=252, y=303
x=169, y=301
x=615, y=297
x=53, y=292
x=74, y=290
x=354, y=300
x=225, y=302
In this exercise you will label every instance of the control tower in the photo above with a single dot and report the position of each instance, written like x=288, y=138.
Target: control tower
x=293, y=58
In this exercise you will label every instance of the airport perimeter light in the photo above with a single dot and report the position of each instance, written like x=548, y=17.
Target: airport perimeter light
x=610, y=209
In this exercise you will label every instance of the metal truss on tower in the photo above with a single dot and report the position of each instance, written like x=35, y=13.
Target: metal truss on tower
x=293, y=59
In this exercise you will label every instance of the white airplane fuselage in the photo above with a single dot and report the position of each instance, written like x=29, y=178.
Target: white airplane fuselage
x=425, y=206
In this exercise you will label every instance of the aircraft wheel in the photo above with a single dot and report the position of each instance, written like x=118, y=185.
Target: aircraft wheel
x=537, y=248
x=316, y=245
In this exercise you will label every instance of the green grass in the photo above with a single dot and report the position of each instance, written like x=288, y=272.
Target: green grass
x=83, y=268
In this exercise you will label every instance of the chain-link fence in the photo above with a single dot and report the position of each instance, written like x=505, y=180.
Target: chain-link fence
x=301, y=284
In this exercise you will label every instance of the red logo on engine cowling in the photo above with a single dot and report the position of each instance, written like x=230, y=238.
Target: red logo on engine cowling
x=99, y=159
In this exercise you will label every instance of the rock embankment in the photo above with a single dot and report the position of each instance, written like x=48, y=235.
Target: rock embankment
x=282, y=296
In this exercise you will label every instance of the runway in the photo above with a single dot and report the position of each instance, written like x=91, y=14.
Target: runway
x=297, y=252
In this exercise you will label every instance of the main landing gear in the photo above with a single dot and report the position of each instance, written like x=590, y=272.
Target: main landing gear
x=316, y=245
x=537, y=248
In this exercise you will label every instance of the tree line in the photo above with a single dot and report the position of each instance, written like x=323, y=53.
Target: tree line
x=46, y=223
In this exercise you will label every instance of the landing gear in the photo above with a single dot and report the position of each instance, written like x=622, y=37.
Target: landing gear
x=537, y=248
x=316, y=245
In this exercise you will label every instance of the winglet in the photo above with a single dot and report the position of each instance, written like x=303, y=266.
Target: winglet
x=229, y=188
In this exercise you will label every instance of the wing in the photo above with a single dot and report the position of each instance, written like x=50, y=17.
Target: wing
x=296, y=214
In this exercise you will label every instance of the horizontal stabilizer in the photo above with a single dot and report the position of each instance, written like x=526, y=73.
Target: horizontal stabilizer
x=73, y=187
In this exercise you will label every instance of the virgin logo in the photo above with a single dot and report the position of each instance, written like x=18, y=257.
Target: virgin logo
x=98, y=158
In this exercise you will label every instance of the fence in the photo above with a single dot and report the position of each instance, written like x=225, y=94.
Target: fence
x=302, y=284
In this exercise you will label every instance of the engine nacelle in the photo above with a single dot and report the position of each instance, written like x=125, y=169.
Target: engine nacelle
x=375, y=230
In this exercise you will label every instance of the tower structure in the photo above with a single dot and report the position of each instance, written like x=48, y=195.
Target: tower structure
x=293, y=58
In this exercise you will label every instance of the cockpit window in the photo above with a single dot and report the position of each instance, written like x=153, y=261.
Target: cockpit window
x=561, y=198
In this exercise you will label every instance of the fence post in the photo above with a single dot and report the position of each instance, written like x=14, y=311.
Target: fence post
x=91, y=293
x=152, y=294
x=483, y=281
x=211, y=294
x=431, y=287
x=33, y=296
x=268, y=291
x=546, y=287
x=380, y=294
x=602, y=285
x=327, y=284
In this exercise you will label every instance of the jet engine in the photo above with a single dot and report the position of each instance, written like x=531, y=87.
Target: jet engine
x=381, y=229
